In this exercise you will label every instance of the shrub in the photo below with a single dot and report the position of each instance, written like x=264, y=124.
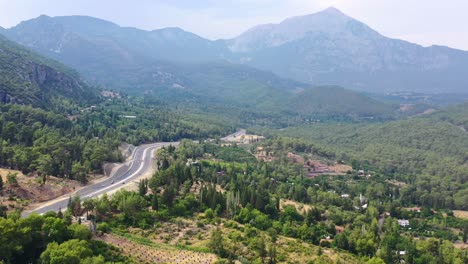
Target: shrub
x=209, y=213
x=103, y=227
x=12, y=179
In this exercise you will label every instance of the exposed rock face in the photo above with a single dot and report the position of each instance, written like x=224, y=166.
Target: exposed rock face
x=26, y=78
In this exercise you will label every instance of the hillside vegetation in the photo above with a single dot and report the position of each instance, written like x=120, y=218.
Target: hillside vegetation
x=27, y=78
x=333, y=101
x=428, y=152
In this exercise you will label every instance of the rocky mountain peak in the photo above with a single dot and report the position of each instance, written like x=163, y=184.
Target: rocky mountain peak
x=333, y=11
x=330, y=21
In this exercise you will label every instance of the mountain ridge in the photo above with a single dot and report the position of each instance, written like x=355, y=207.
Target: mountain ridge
x=329, y=47
x=324, y=48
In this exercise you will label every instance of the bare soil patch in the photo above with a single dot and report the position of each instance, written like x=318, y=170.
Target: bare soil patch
x=460, y=214
x=31, y=190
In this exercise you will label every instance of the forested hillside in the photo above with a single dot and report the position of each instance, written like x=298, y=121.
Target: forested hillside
x=34, y=140
x=53, y=123
x=333, y=102
x=27, y=78
x=256, y=211
x=428, y=152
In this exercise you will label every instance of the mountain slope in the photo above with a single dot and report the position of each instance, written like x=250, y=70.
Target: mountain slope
x=331, y=48
x=27, y=78
x=336, y=101
x=99, y=48
x=328, y=47
x=169, y=63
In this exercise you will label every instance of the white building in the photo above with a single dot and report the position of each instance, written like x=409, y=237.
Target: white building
x=403, y=222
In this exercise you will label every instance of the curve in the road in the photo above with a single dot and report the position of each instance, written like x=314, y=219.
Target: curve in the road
x=141, y=163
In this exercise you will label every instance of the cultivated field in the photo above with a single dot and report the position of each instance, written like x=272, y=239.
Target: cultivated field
x=147, y=251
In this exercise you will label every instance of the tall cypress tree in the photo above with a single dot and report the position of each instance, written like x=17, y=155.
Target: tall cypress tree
x=154, y=202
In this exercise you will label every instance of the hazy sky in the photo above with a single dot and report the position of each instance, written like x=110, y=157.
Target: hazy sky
x=425, y=22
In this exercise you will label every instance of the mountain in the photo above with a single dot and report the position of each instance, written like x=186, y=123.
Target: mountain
x=271, y=35
x=28, y=78
x=127, y=59
x=326, y=48
x=169, y=63
x=108, y=54
x=59, y=36
x=331, y=48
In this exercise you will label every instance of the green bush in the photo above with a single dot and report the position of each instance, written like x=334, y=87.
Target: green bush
x=103, y=227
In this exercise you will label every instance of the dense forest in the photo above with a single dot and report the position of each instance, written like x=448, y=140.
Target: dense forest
x=428, y=152
x=35, y=140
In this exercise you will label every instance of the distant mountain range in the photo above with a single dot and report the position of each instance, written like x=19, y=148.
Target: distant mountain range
x=330, y=47
x=31, y=79
x=323, y=48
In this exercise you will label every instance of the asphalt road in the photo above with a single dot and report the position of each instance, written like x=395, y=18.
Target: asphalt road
x=232, y=136
x=141, y=163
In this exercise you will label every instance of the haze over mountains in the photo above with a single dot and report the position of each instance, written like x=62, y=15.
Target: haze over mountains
x=318, y=49
x=323, y=48
x=330, y=47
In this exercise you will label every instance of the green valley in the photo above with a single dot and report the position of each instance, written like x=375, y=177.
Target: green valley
x=313, y=140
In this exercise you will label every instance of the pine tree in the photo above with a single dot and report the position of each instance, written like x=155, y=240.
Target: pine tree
x=216, y=243
x=60, y=214
x=143, y=187
x=232, y=202
x=261, y=247
x=154, y=202
x=165, y=164
x=465, y=233
x=272, y=254
x=69, y=204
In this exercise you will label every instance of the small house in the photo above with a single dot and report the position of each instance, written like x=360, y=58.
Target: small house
x=403, y=222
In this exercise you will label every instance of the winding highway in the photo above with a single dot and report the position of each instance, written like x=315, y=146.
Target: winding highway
x=141, y=163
